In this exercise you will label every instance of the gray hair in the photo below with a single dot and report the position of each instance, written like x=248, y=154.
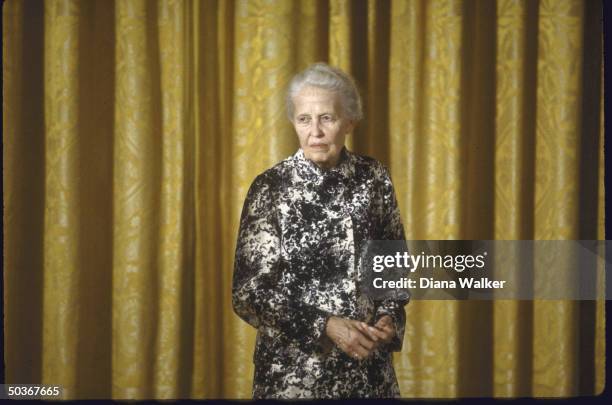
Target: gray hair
x=326, y=77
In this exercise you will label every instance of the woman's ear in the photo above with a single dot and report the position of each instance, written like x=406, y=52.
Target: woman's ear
x=350, y=126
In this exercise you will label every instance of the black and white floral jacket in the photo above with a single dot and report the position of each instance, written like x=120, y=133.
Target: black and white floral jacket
x=296, y=265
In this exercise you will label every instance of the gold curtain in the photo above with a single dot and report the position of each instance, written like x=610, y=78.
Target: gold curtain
x=132, y=130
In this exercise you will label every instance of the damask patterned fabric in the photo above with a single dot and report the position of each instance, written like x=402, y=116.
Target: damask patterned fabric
x=295, y=266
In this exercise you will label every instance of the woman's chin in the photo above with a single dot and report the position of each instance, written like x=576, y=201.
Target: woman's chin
x=321, y=158
x=322, y=163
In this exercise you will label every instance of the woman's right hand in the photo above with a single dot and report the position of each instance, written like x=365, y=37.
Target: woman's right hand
x=347, y=335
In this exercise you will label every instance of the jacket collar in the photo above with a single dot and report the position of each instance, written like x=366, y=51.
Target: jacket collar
x=308, y=171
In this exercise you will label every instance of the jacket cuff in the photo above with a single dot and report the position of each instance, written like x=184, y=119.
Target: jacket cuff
x=395, y=345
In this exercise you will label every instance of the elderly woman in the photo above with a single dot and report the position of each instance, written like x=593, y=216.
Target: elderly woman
x=296, y=269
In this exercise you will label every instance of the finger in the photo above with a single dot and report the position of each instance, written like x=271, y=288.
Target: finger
x=353, y=342
x=387, y=338
x=362, y=353
x=384, y=321
x=366, y=343
x=356, y=352
x=379, y=333
x=370, y=331
x=357, y=338
x=369, y=345
x=388, y=331
x=360, y=343
x=369, y=350
x=363, y=340
x=342, y=344
x=386, y=327
x=356, y=356
x=385, y=334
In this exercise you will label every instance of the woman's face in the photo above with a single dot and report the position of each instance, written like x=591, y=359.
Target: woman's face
x=320, y=125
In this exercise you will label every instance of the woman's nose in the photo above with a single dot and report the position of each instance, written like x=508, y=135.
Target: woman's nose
x=316, y=128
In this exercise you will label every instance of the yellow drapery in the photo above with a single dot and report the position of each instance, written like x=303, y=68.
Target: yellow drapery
x=132, y=130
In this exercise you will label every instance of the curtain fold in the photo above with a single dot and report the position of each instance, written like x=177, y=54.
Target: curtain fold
x=134, y=128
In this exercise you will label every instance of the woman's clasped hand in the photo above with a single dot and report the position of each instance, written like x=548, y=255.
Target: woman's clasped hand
x=358, y=339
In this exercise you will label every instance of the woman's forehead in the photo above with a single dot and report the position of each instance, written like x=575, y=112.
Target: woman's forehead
x=314, y=97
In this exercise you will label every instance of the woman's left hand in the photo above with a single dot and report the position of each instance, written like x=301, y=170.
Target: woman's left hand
x=382, y=332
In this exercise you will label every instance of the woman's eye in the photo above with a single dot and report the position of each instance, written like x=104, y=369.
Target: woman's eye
x=303, y=120
x=326, y=118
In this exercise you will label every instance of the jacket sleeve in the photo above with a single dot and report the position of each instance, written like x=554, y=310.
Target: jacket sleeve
x=391, y=229
x=261, y=295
